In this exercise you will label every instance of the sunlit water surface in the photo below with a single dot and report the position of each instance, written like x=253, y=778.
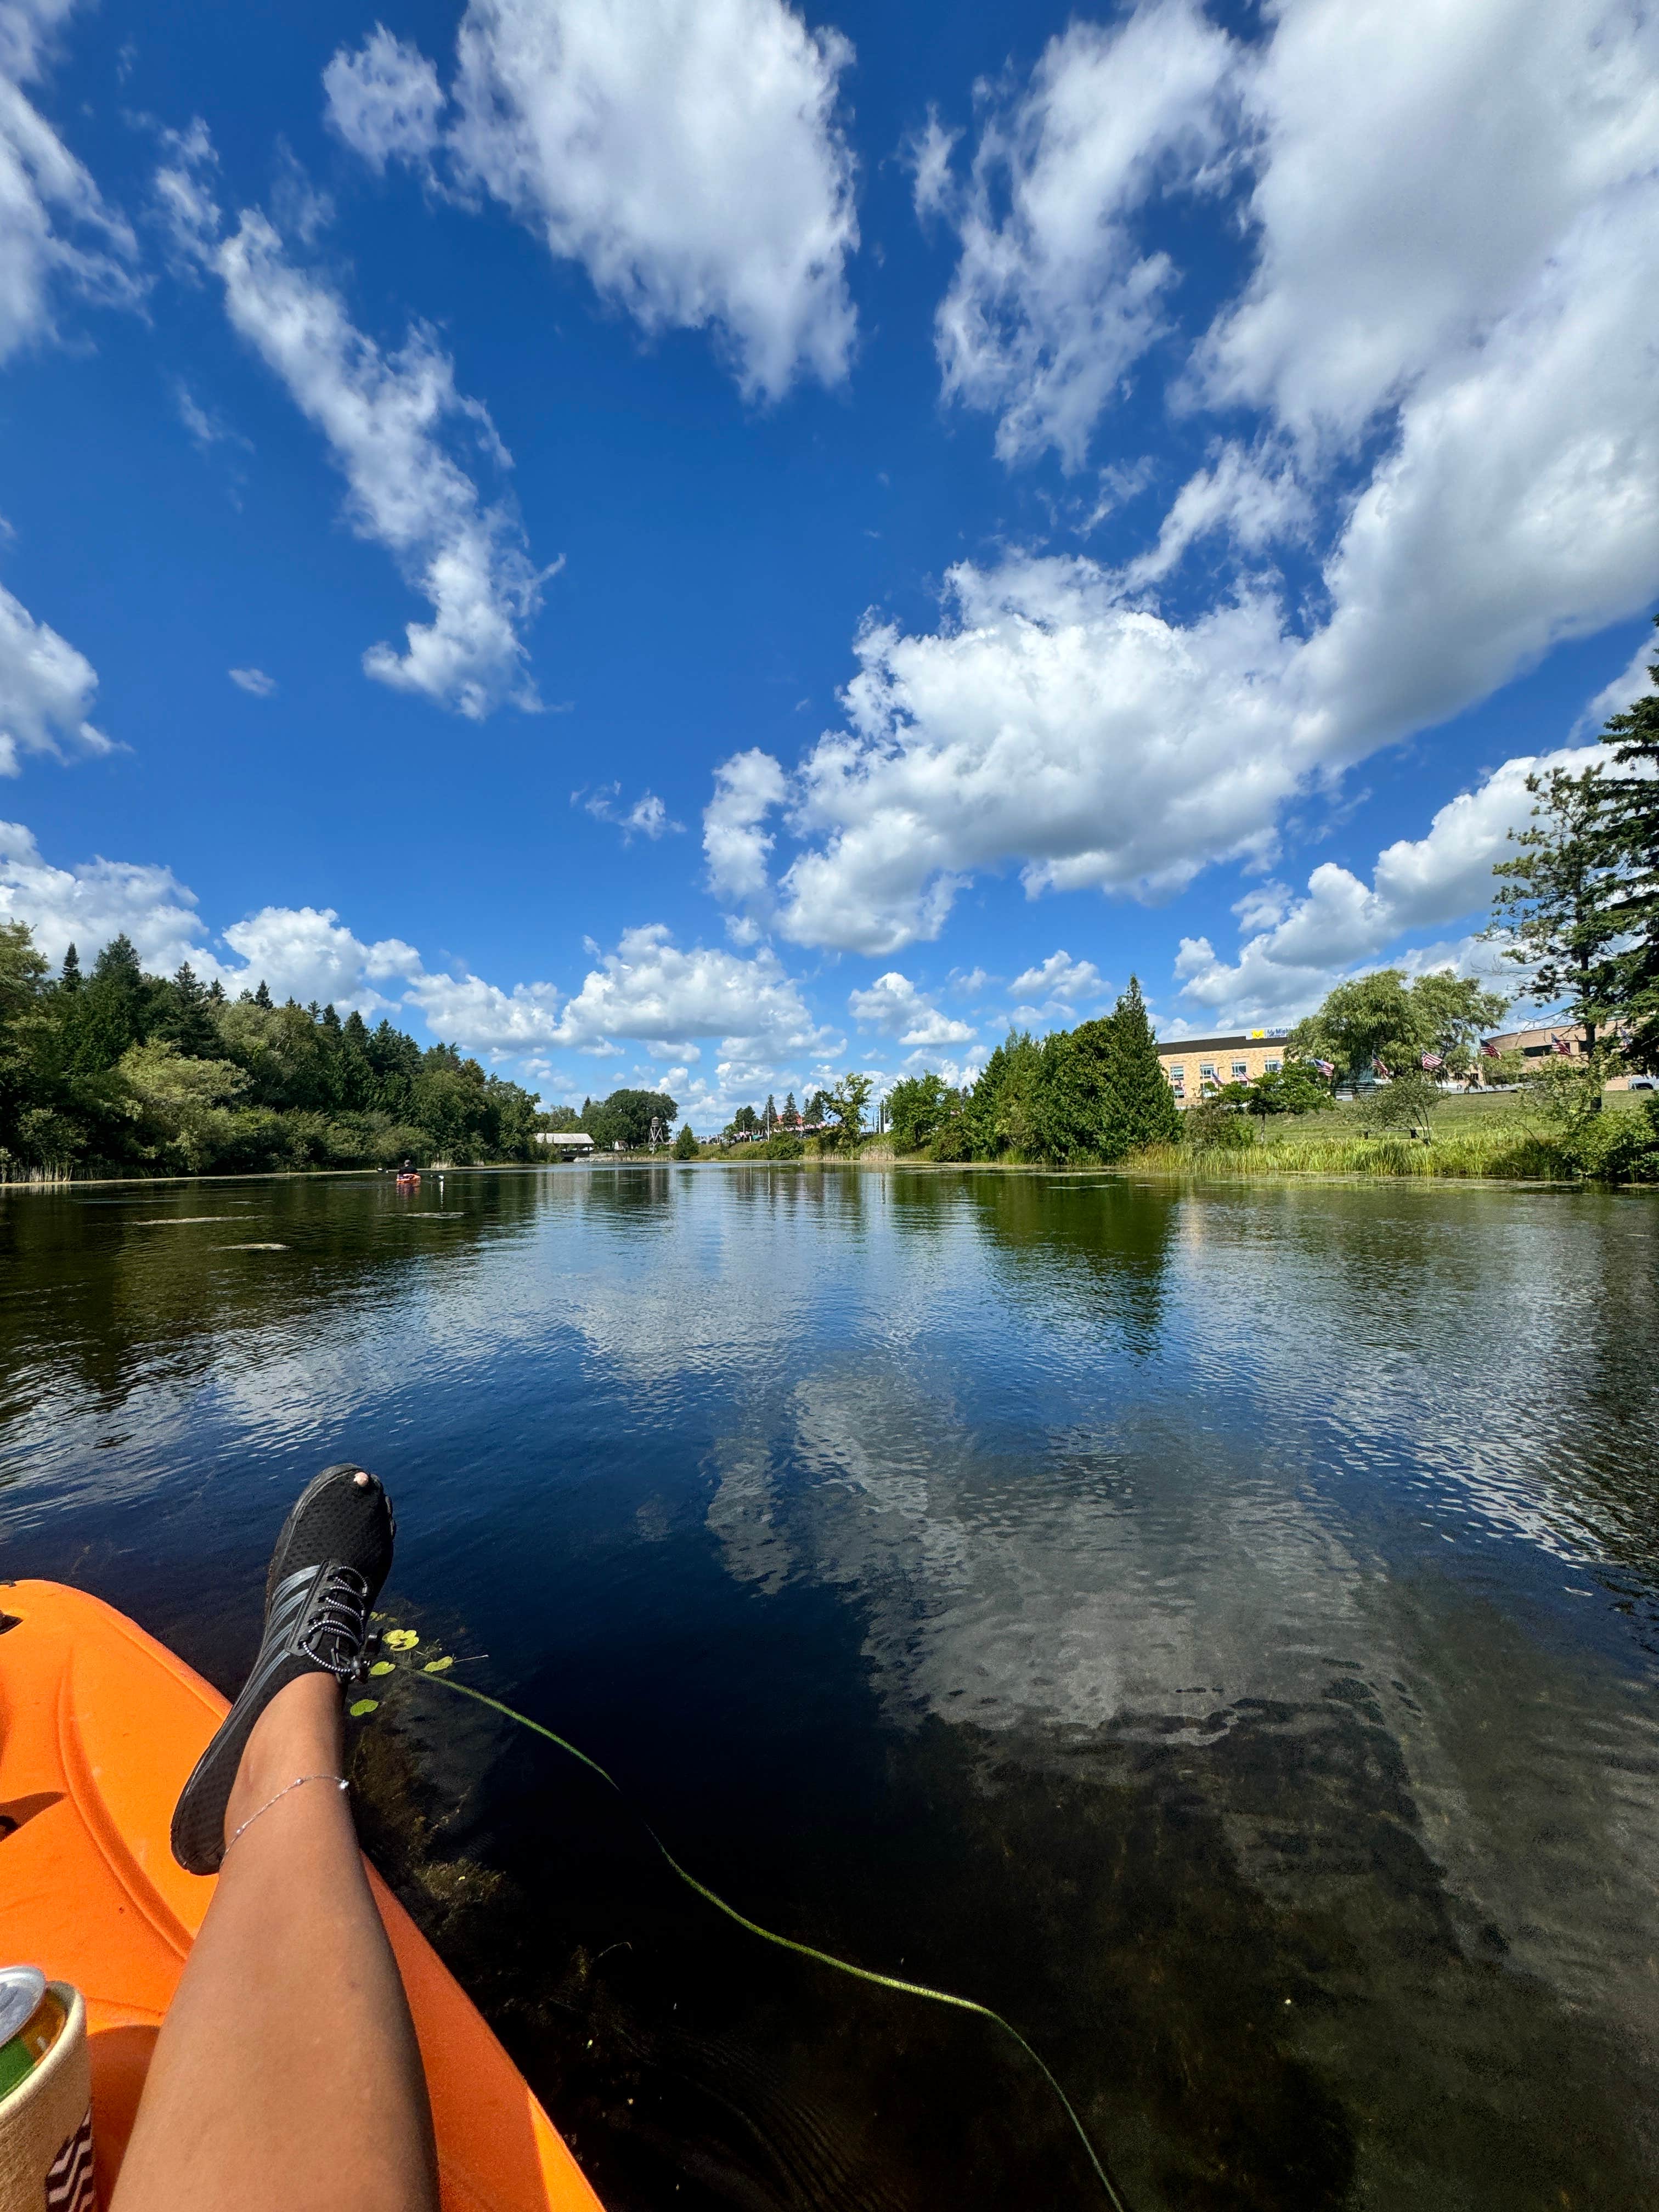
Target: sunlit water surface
x=1219, y=1629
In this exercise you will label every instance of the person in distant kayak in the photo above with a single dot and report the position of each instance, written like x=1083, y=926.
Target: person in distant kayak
x=286, y=2073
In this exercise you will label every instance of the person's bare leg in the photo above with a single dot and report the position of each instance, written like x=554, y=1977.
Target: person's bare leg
x=286, y=2074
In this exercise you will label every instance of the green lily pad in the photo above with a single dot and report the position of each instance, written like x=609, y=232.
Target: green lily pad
x=436, y=1666
x=361, y=1705
x=382, y=1666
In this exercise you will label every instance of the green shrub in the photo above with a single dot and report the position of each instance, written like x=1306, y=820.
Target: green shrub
x=952, y=1141
x=1210, y=1128
x=1627, y=1145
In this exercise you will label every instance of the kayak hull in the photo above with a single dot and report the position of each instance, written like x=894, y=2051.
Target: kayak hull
x=99, y=1726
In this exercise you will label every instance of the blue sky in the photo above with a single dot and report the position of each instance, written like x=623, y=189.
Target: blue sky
x=906, y=515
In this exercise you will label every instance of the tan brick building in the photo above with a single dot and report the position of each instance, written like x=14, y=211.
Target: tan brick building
x=1197, y=1068
x=1539, y=1043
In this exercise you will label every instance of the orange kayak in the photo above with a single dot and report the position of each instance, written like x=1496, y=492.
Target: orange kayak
x=99, y=1727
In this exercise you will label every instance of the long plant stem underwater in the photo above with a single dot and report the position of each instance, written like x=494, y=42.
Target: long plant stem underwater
x=788, y=1942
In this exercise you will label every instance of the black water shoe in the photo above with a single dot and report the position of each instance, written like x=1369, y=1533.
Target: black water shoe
x=326, y=1573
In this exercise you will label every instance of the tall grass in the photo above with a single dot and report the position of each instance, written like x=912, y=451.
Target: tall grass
x=1506, y=1152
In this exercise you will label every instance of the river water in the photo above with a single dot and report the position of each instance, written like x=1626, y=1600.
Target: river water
x=1219, y=1629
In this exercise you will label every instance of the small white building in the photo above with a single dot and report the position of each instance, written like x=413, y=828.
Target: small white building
x=566, y=1144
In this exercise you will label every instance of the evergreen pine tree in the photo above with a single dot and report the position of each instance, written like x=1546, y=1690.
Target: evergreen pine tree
x=771, y=1115
x=262, y=996
x=1553, y=909
x=1140, y=1107
x=789, y=1116
x=117, y=1006
x=182, y=1018
x=70, y=978
x=1630, y=833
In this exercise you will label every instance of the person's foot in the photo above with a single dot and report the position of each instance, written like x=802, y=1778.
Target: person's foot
x=330, y=1559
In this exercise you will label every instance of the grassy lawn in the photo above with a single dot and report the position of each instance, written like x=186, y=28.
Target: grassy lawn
x=1493, y=1134
x=1483, y=1112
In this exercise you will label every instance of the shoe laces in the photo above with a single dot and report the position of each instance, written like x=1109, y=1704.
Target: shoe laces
x=337, y=1626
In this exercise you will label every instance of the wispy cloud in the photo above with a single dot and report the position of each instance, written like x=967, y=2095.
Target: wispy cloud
x=384, y=416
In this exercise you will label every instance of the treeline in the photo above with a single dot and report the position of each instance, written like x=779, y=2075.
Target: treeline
x=1095, y=1093
x=116, y=1071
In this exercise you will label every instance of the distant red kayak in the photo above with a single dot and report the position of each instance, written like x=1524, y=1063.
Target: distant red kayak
x=407, y=1182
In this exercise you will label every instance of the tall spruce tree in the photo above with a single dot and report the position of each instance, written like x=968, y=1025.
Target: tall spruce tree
x=1630, y=830
x=1553, y=909
x=1140, y=1108
x=69, y=980
x=112, y=1008
x=183, y=1017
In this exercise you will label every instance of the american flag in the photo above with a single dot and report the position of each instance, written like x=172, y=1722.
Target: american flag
x=1490, y=1052
x=1384, y=1074
x=1562, y=1044
x=1325, y=1066
x=1433, y=1060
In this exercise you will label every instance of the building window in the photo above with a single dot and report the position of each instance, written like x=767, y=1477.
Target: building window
x=1178, y=1076
x=1240, y=1070
x=1206, y=1070
x=1271, y=1066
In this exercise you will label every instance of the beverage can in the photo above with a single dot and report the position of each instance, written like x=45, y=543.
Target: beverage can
x=45, y=2096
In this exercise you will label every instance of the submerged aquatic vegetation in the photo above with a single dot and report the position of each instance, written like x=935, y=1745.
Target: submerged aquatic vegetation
x=408, y=1644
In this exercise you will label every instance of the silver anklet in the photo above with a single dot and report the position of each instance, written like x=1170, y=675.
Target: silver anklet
x=338, y=1780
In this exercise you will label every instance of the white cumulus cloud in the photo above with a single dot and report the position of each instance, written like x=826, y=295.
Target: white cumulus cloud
x=688, y=154
x=735, y=841
x=653, y=990
x=89, y=905
x=307, y=953
x=1418, y=166
x=1050, y=725
x=894, y=1006
x=1303, y=946
x=1061, y=978
x=46, y=689
x=1065, y=720
x=254, y=681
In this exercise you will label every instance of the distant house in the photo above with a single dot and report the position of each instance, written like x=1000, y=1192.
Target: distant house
x=1197, y=1068
x=570, y=1144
